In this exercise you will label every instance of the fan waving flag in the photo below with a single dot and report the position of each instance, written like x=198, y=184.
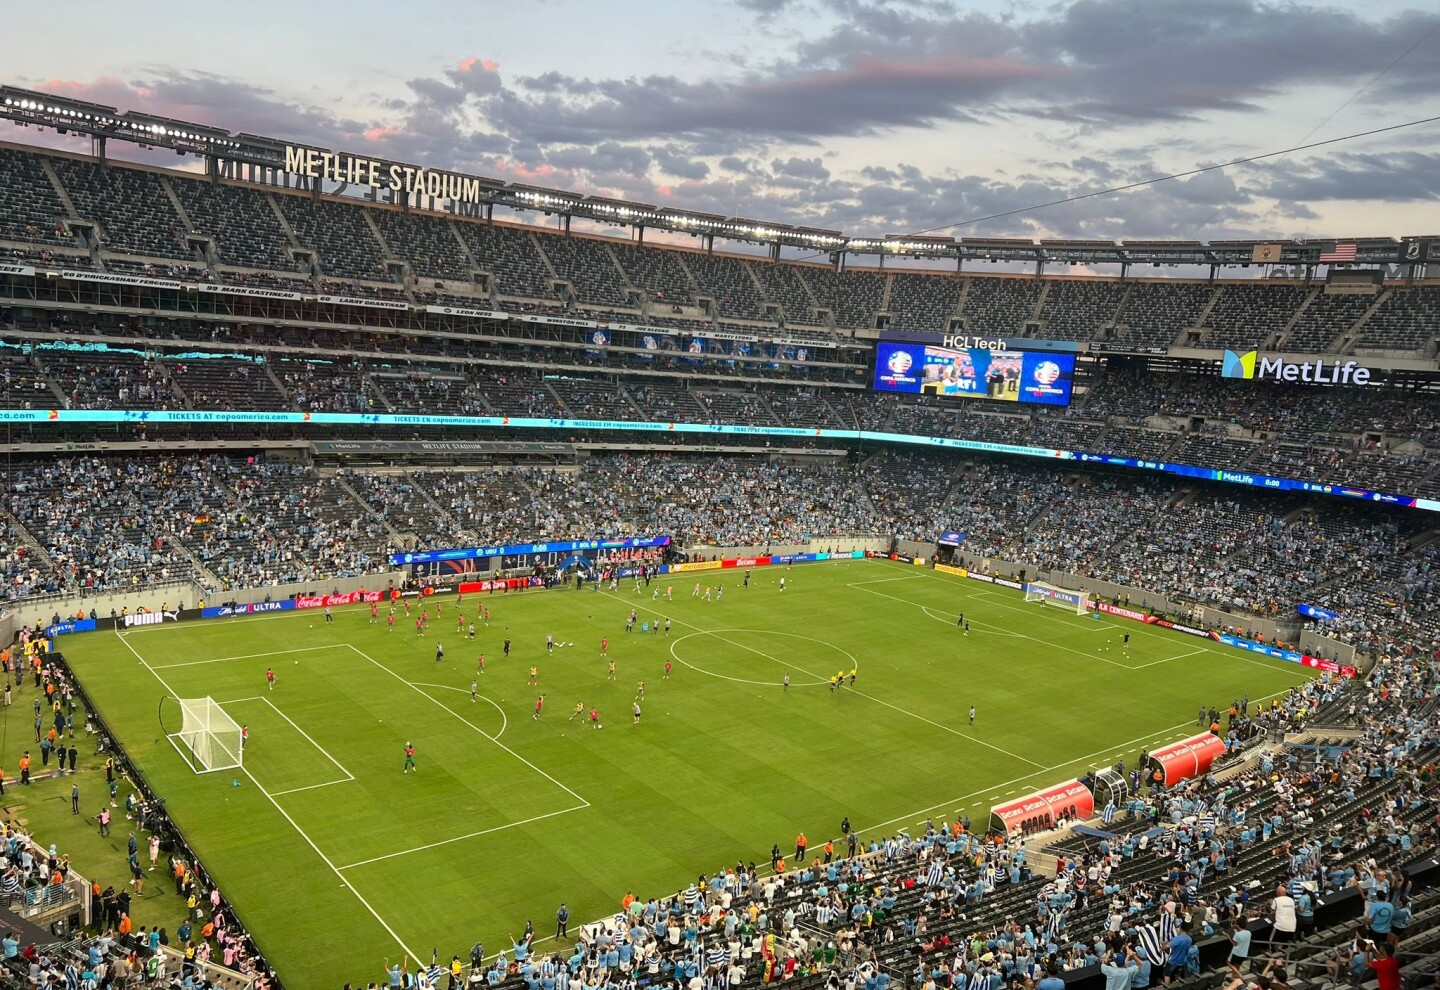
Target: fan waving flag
x=1344, y=252
x=1155, y=938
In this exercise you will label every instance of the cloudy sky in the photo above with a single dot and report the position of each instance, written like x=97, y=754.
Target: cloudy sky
x=870, y=116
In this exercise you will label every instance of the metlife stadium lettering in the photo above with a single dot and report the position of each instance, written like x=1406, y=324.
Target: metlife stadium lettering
x=1315, y=372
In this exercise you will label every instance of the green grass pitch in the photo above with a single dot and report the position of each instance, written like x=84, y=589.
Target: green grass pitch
x=336, y=859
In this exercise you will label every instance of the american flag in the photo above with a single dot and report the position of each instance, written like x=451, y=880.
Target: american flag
x=1344, y=252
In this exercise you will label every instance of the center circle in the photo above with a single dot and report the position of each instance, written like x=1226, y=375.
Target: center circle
x=755, y=651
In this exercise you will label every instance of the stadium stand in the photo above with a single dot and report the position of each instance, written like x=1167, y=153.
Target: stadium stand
x=786, y=286
x=509, y=254
x=1324, y=320
x=425, y=243
x=588, y=266
x=243, y=234
x=1245, y=316
x=924, y=302
x=30, y=210
x=1000, y=307
x=338, y=233
x=132, y=208
x=730, y=283
x=1405, y=320
x=1079, y=310
x=1152, y=315
x=659, y=272
x=1330, y=790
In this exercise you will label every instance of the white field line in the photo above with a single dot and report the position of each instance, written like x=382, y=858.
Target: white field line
x=311, y=787
x=1113, y=750
x=1138, y=627
x=1178, y=656
x=504, y=722
x=467, y=722
x=338, y=765
x=298, y=830
x=247, y=656
x=1035, y=639
x=462, y=838
x=852, y=690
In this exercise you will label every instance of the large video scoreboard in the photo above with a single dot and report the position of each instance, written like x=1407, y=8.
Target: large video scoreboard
x=956, y=365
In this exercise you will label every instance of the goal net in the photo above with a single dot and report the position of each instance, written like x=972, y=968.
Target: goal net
x=1049, y=594
x=209, y=736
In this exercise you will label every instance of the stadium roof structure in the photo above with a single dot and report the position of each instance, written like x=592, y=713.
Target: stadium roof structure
x=307, y=167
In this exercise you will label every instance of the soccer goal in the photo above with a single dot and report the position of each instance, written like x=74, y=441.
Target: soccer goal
x=1049, y=594
x=208, y=739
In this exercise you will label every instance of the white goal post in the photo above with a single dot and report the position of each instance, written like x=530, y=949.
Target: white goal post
x=208, y=739
x=1049, y=594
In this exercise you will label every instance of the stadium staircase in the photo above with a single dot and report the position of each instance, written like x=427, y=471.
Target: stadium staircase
x=1356, y=332
x=754, y=280
x=339, y=480
x=60, y=189
x=180, y=394
x=372, y=387
x=540, y=250
x=624, y=394
x=815, y=305
x=1033, y=322
x=179, y=207
x=203, y=576
x=885, y=295
x=289, y=230
x=438, y=507
x=1279, y=342
x=1199, y=326
x=50, y=382
x=269, y=368
x=27, y=538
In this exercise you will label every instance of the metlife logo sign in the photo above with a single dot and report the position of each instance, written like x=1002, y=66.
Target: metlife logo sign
x=1250, y=365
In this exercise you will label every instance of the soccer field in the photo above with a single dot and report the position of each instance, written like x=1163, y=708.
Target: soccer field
x=335, y=858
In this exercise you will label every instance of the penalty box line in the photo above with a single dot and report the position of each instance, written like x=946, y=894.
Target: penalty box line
x=247, y=656
x=583, y=803
x=462, y=838
x=323, y=751
x=295, y=825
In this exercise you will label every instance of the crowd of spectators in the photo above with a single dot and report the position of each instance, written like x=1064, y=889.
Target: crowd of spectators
x=1248, y=855
x=105, y=524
